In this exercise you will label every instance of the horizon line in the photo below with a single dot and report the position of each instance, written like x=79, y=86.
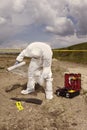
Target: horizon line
x=71, y=50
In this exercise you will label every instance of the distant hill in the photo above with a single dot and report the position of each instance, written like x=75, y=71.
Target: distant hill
x=80, y=46
x=75, y=53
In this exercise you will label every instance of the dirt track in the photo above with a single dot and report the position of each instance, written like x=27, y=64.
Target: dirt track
x=56, y=114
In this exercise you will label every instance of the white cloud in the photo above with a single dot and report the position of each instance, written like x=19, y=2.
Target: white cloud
x=79, y=13
x=5, y=4
x=62, y=18
x=2, y=20
x=62, y=26
x=19, y=5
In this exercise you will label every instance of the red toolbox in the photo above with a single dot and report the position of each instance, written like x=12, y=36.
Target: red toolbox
x=72, y=85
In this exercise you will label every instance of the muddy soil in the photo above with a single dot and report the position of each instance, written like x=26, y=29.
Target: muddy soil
x=57, y=114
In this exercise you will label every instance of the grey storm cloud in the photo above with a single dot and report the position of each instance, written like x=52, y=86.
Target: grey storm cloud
x=60, y=17
x=78, y=12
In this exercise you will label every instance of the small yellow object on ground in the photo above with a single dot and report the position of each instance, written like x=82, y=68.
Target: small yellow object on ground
x=19, y=106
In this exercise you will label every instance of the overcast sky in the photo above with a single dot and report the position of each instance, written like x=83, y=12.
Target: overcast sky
x=60, y=23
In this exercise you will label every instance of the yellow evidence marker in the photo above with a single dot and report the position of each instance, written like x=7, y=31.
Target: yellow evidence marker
x=19, y=106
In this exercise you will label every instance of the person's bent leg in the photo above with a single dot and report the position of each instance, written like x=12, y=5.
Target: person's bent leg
x=30, y=86
x=31, y=79
x=49, y=89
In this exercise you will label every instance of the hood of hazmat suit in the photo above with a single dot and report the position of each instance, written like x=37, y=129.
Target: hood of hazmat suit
x=36, y=50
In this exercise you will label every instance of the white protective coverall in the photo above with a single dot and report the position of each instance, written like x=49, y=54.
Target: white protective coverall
x=40, y=67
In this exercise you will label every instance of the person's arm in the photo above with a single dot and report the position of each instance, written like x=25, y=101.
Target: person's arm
x=21, y=56
x=46, y=67
x=47, y=58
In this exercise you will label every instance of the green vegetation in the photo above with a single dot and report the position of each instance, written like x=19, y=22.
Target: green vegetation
x=72, y=53
x=10, y=51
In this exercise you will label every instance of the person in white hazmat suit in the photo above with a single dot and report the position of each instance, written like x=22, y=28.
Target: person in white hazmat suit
x=39, y=70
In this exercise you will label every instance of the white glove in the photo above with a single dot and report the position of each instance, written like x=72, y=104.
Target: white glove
x=17, y=62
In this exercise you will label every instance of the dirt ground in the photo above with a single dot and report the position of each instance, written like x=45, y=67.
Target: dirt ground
x=57, y=114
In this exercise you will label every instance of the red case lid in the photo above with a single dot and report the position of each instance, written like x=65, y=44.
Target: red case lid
x=73, y=81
